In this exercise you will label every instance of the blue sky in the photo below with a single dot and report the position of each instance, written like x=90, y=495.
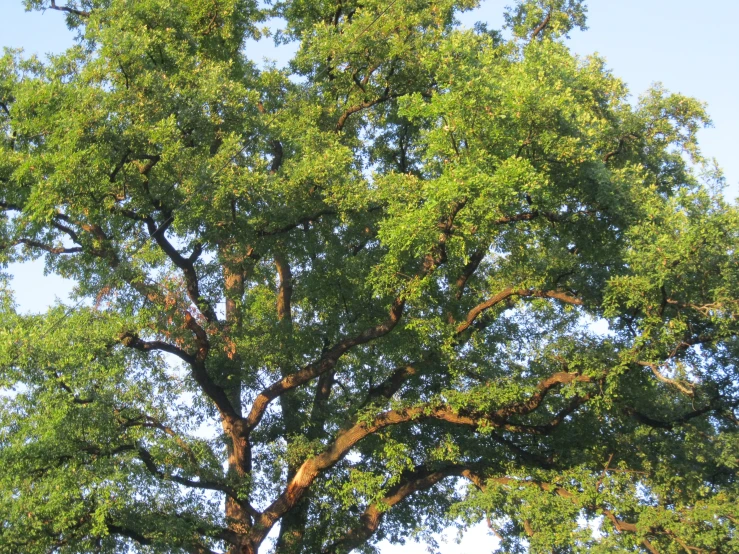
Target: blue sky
x=691, y=47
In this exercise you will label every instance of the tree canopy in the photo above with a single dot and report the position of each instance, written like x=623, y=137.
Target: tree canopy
x=422, y=275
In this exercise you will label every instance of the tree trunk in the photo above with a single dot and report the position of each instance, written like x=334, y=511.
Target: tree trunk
x=292, y=524
x=239, y=454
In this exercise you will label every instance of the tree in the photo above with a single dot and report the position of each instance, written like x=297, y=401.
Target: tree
x=422, y=275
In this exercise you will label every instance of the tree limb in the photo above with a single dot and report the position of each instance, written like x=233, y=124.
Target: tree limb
x=285, y=290
x=48, y=248
x=350, y=436
x=325, y=363
x=302, y=221
x=132, y=340
x=543, y=25
x=197, y=368
x=148, y=461
x=468, y=271
x=73, y=11
x=507, y=293
x=186, y=265
x=363, y=106
x=671, y=424
x=420, y=478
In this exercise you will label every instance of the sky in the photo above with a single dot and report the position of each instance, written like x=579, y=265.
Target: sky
x=690, y=47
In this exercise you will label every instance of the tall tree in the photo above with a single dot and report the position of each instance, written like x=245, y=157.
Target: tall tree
x=422, y=275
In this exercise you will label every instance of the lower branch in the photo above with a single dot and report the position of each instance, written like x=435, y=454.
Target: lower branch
x=421, y=478
x=350, y=436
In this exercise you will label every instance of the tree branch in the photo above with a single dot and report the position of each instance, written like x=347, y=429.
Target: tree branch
x=507, y=293
x=542, y=25
x=140, y=538
x=420, y=478
x=671, y=424
x=619, y=524
x=196, y=363
x=350, y=436
x=320, y=399
x=325, y=363
x=186, y=265
x=147, y=421
x=73, y=11
x=71, y=233
x=47, y=248
x=285, y=291
x=128, y=533
x=148, y=461
x=687, y=389
x=7, y=206
x=542, y=389
x=468, y=271
x=392, y=384
x=363, y=106
x=132, y=340
x=290, y=226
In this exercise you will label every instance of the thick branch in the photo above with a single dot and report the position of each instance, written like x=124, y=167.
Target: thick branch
x=325, y=363
x=507, y=293
x=128, y=533
x=392, y=384
x=542, y=25
x=8, y=206
x=343, y=443
x=285, y=291
x=549, y=427
x=187, y=266
x=320, y=399
x=329, y=358
x=542, y=389
x=197, y=368
x=152, y=423
x=311, y=468
x=132, y=340
x=71, y=233
x=290, y=226
x=363, y=106
x=534, y=214
x=140, y=538
x=468, y=271
x=421, y=478
x=671, y=424
x=350, y=436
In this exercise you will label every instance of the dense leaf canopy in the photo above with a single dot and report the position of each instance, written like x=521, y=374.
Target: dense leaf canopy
x=422, y=275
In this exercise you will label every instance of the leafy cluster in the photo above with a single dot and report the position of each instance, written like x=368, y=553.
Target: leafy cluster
x=423, y=275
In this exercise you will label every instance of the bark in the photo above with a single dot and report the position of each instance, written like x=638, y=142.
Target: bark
x=239, y=451
x=292, y=525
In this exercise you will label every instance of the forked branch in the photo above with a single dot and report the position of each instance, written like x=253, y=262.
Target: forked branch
x=419, y=479
x=325, y=363
x=350, y=436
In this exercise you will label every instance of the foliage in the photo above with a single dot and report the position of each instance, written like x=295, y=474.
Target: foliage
x=421, y=276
